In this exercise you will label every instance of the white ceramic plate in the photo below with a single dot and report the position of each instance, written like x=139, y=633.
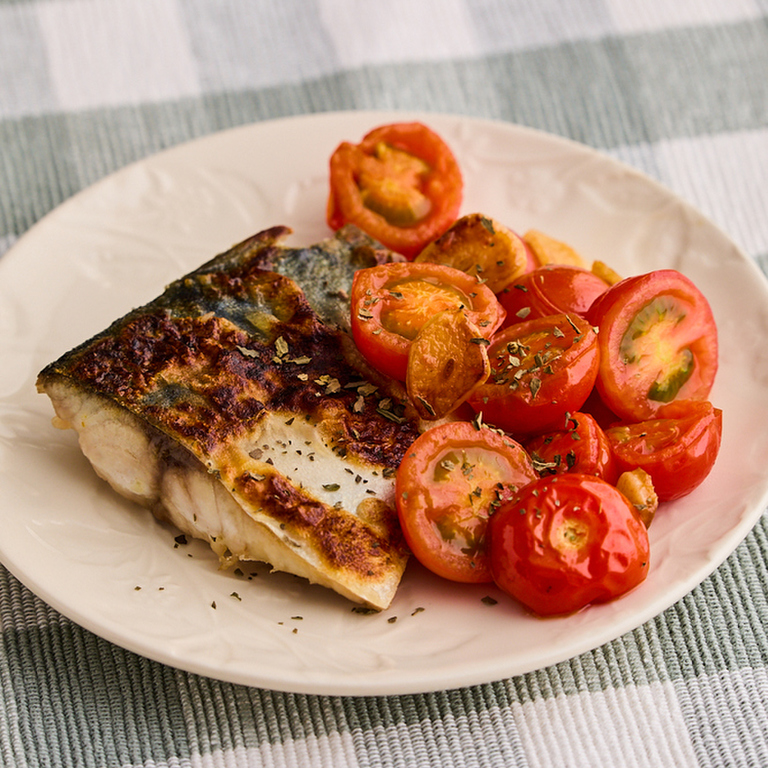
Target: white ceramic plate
x=112, y=568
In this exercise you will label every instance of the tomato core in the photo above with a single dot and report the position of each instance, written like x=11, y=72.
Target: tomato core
x=571, y=535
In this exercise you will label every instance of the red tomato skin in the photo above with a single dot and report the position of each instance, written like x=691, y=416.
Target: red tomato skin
x=388, y=351
x=443, y=186
x=423, y=501
x=521, y=412
x=551, y=290
x=690, y=434
x=581, y=448
x=565, y=542
x=622, y=385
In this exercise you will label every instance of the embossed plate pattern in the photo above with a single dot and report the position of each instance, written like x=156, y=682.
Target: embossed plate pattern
x=112, y=568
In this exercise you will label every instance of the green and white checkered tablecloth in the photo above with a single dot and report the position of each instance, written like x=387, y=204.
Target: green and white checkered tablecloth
x=678, y=89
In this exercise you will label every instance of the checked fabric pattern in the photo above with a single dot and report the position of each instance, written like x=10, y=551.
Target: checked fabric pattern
x=676, y=89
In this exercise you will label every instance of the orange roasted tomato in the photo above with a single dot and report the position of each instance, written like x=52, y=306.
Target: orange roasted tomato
x=566, y=541
x=447, y=484
x=677, y=449
x=658, y=343
x=391, y=302
x=551, y=290
x=540, y=370
x=401, y=184
x=581, y=446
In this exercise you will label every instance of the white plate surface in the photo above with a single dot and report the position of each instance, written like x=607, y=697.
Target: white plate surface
x=112, y=568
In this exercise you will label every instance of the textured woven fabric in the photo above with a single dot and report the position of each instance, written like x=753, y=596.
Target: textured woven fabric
x=677, y=89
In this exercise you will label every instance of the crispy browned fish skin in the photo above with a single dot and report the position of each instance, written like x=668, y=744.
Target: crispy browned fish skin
x=221, y=351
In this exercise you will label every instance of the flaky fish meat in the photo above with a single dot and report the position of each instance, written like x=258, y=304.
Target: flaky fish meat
x=234, y=407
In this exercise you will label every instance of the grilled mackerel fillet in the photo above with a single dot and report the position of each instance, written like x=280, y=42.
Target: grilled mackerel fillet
x=233, y=406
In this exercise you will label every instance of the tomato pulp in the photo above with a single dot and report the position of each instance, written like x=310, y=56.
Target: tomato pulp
x=449, y=481
x=566, y=541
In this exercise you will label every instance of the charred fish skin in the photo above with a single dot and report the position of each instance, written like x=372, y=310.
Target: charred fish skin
x=243, y=369
x=324, y=271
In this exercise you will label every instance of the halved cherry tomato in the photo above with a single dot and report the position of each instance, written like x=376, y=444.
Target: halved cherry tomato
x=580, y=447
x=540, y=370
x=551, y=290
x=391, y=302
x=401, y=184
x=449, y=481
x=481, y=247
x=567, y=541
x=677, y=449
x=658, y=343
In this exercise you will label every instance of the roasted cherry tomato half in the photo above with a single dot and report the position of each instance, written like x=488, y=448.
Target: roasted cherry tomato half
x=401, y=184
x=580, y=447
x=658, y=343
x=567, y=541
x=449, y=481
x=551, y=290
x=678, y=449
x=391, y=302
x=540, y=370
x=483, y=248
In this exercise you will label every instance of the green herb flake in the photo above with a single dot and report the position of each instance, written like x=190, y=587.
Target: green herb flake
x=488, y=224
x=281, y=346
x=572, y=324
x=427, y=407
